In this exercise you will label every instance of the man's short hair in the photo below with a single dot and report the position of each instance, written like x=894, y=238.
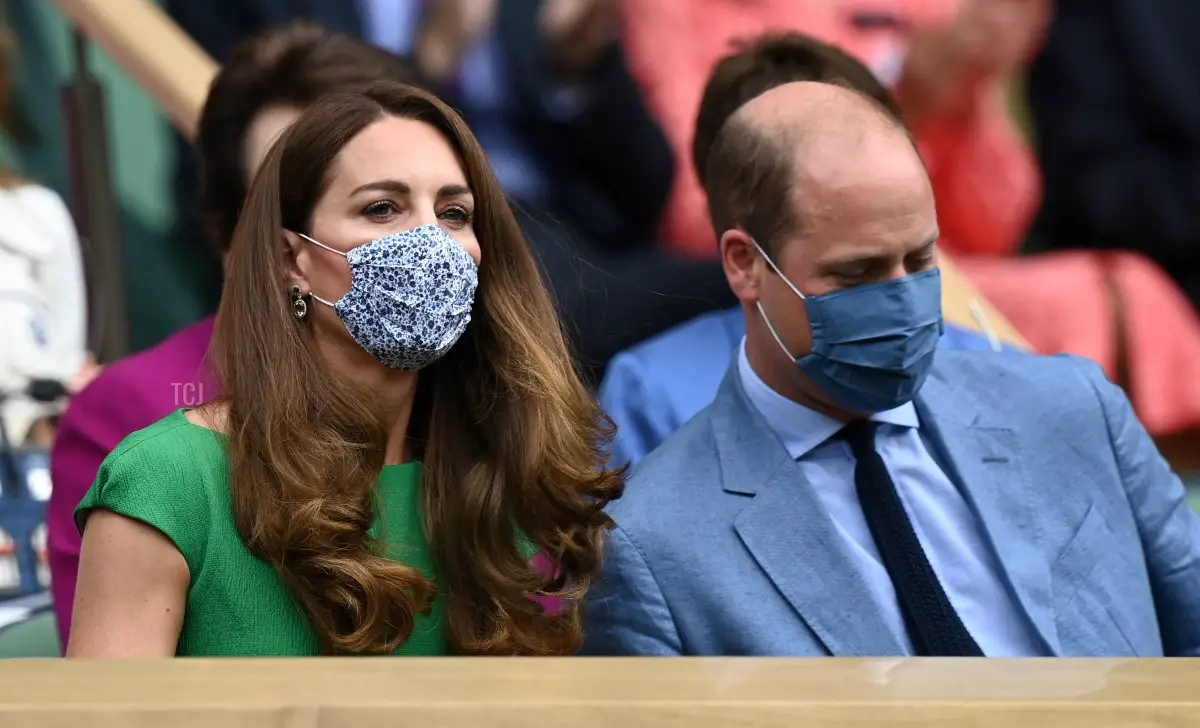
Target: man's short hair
x=293, y=65
x=748, y=176
x=761, y=64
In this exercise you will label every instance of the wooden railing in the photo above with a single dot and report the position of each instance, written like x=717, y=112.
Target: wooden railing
x=582, y=692
x=177, y=74
x=151, y=48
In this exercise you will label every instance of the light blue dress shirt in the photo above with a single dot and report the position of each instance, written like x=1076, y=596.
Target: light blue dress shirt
x=957, y=547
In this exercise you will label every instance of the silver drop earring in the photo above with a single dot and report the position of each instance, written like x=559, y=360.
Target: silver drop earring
x=299, y=305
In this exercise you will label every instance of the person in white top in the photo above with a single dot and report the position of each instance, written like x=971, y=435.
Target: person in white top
x=43, y=296
x=43, y=306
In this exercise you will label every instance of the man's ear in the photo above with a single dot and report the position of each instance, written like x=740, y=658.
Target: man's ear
x=740, y=259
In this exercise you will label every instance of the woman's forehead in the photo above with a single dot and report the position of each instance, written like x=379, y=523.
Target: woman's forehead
x=402, y=150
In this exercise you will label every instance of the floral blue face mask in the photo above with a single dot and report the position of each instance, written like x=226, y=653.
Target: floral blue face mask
x=872, y=346
x=410, y=295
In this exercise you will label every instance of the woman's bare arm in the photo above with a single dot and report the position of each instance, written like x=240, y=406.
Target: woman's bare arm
x=132, y=591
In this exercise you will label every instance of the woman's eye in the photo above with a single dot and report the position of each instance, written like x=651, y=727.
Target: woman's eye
x=457, y=215
x=380, y=209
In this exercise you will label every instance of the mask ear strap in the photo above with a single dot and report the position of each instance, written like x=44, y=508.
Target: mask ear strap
x=771, y=328
x=775, y=268
x=321, y=245
x=761, y=312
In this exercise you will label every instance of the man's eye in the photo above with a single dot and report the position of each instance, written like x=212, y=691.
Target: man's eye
x=855, y=274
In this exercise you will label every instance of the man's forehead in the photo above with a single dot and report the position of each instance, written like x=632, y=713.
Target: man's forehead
x=827, y=133
x=804, y=107
x=863, y=194
x=879, y=165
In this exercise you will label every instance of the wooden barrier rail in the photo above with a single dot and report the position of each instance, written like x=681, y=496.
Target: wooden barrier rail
x=582, y=692
x=177, y=73
x=151, y=48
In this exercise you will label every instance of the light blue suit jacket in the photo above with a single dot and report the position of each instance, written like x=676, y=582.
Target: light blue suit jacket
x=722, y=547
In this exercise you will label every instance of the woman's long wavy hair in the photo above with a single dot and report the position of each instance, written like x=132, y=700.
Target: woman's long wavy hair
x=508, y=436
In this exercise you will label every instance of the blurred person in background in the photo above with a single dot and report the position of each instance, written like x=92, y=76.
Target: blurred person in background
x=262, y=88
x=946, y=62
x=642, y=390
x=43, y=296
x=1115, y=103
x=344, y=495
x=544, y=85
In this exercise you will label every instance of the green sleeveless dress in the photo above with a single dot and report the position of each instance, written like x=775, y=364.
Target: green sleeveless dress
x=174, y=476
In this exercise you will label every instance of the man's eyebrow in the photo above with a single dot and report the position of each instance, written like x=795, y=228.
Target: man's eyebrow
x=928, y=243
x=854, y=260
x=870, y=259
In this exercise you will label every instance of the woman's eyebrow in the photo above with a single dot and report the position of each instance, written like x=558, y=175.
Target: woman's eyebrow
x=383, y=185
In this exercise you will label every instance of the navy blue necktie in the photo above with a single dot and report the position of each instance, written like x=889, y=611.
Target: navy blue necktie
x=933, y=626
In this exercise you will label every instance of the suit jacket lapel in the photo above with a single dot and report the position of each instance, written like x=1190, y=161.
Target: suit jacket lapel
x=790, y=535
x=984, y=460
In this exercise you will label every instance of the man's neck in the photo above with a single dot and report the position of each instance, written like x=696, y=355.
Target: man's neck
x=785, y=378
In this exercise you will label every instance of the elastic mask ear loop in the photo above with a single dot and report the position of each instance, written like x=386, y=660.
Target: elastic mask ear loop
x=774, y=267
x=321, y=245
x=758, y=304
x=771, y=328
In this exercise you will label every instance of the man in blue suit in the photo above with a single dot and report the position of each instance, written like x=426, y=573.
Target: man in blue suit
x=854, y=490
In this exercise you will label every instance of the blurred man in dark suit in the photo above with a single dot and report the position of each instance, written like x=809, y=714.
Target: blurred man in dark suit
x=1115, y=103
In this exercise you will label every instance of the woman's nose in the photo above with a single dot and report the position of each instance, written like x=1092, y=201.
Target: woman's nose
x=424, y=215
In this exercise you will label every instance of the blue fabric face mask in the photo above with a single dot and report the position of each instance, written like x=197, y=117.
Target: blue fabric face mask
x=872, y=346
x=410, y=295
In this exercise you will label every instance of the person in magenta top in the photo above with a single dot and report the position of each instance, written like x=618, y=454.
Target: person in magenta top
x=127, y=396
x=262, y=88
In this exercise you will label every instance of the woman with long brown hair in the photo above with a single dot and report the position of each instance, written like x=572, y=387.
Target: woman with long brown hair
x=401, y=427
x=264, y=84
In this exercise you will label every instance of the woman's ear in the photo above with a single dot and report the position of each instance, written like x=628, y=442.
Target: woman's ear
x=295, y=260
